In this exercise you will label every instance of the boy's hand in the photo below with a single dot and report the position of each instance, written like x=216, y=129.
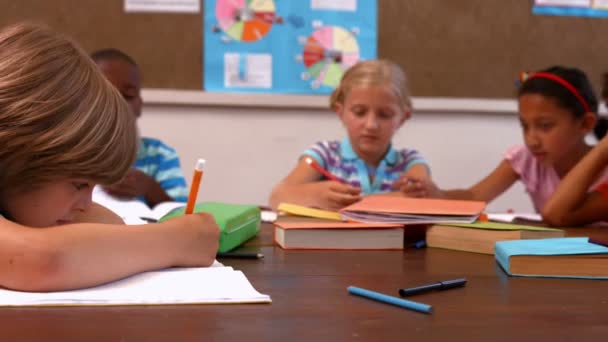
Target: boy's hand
x=334, y=195
x=200, y=240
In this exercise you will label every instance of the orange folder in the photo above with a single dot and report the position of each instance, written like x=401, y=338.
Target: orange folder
x=391, y=209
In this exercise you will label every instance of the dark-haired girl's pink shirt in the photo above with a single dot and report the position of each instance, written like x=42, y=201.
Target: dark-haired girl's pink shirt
x=539, y=180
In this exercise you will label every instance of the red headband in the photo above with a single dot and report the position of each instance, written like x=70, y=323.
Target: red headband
x=564, y=83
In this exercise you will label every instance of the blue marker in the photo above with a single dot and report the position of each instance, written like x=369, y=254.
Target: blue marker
x=407, y=304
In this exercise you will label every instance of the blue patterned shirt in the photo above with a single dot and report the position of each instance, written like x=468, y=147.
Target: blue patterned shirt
x=339, y=158
x=161, y=162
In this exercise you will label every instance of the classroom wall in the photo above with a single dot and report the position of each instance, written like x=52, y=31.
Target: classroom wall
x=249, y=149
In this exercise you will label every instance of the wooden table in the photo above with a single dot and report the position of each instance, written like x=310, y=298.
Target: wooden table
x=308, y=289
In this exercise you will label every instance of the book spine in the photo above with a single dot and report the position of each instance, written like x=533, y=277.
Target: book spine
x=502, y=257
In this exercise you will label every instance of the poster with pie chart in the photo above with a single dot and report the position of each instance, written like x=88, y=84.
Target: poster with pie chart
x=328, y=52
x=281, y=46
x=245, y=21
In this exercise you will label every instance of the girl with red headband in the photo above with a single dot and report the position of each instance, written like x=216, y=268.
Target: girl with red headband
x=557, y=109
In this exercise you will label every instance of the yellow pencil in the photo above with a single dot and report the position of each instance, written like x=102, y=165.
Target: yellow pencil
x=196, y=182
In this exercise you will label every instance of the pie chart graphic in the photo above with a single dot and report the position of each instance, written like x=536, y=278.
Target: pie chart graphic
x=328, y=52
x=245, y=20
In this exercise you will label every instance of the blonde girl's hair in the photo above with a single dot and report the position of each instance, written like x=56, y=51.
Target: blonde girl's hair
x=371, y=73
x=59, y=117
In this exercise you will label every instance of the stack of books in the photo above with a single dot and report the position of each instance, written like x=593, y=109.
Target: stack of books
x=375, y=222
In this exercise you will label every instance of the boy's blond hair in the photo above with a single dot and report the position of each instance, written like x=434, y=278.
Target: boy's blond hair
x=371, y=73
x=59, y=117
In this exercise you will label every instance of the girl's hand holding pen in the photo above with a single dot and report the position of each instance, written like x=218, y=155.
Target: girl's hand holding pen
x=334, y=195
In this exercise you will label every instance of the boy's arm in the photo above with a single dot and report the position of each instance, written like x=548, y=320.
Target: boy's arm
x=82, y=255
x=166, y=185
x=170, y=180
x=571, y=204
x=137, y=183
x=155, y=193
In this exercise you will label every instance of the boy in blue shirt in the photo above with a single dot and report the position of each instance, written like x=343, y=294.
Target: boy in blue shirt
x=156, y=175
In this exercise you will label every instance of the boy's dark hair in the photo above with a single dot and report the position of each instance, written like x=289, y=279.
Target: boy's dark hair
x=564, y=97
x=112, y=54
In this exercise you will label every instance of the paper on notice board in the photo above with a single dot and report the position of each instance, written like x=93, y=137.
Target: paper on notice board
x=248, y=70
x=169, y=6
x=335, y=5
x=573, y=3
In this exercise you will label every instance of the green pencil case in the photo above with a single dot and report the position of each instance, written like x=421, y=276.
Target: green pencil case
x=238, y=223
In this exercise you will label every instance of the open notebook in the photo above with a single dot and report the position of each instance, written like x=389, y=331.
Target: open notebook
x=197, y=285
x=134, y=211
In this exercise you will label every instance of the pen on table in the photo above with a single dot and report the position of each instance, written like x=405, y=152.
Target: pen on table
x=598, y=242
x=196, y=182
x=441, y=285
x=407, y=304
x=313, y=163
x=240, y=255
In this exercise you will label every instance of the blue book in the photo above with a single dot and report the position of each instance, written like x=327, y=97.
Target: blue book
x=556, y=258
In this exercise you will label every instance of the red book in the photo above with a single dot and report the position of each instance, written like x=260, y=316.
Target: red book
x=338, y=235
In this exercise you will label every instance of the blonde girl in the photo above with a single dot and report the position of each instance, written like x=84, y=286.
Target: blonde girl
x=373, y=102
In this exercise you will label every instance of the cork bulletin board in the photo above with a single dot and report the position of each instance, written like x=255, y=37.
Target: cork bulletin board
x=465, y=48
